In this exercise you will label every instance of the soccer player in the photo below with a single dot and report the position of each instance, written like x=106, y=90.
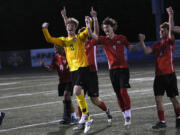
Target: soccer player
x=165, y=77
x=115, y=47
x=74, y=46
x=2, y=115
x=59, y=63
x=91, y=57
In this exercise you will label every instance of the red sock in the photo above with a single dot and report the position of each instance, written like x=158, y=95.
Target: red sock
x=102, y=106
x=161, y=115
x=119, y=100
x=177, y=111
x=126, y=99
x=79, y=112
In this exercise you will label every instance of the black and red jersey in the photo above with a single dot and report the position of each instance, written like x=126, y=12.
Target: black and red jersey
x=59, y=63
x=116, y=50
x=164, y=56
x=91, y=51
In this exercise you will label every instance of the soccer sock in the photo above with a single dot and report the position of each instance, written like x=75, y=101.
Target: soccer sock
x=177, y=111
x=74, y=115
x=79, y=112
x=82, y=104
x=102, y=106
x=161, y=115
x=121, y=106
x=125, y=99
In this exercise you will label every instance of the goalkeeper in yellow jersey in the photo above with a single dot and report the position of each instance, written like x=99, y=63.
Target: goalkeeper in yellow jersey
x=74, y=46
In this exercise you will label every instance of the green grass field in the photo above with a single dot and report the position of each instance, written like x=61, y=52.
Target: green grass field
x=32, y=106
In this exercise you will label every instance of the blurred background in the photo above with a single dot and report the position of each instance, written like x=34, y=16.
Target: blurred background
x=21, y=22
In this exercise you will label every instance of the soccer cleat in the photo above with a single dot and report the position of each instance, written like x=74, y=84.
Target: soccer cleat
x=178, y=123
x=108, y=112
x=88, y=125
x=79, y=127
x=2, y=117
x=74, y=121
x=159, y=125
x=83, y=119
x=127, y=121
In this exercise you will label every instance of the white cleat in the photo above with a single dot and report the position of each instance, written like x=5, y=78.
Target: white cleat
x=88, y=125
x=109, y=122
x=83, y=119
x=127, y=121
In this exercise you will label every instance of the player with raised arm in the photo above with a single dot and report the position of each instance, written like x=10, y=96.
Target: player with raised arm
x=116, y=47
x=91, y=57
x=59, y=63
x=165, y=77
x=74, y=46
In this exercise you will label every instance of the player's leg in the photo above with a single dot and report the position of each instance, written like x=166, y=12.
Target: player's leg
x=159, y=90
x=176, y=106
x=172, y=92
x=2, y=115
x=100, y=103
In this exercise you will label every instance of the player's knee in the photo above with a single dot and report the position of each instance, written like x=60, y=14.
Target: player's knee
x=77, y=90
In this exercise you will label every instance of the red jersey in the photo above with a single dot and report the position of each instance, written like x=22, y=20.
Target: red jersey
x=91, y=52
x=116, y=50
x=59, y=63
x=164, y=56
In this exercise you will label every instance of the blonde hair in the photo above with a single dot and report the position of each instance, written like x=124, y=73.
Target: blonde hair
x=73, y=21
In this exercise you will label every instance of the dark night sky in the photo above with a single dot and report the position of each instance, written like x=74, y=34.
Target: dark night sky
x=21, y=19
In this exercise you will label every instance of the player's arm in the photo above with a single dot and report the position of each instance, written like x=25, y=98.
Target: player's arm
x=64, y=16
x=176, y=29
x=48, y=68
x=48, y=37
x=171, y=21
x=95, y=21
x=146, y=50
x=91, y=34
x=134, y=48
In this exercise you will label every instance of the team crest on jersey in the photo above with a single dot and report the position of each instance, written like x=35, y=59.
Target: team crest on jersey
x=74, y=39
x=72, y=47
x=118, y=41
x=114, y=47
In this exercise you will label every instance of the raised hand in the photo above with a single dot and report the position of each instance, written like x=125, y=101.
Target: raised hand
x=63, y=12
x=45, y=25
x=141, y=37
x=93, y=13
x=170, y=10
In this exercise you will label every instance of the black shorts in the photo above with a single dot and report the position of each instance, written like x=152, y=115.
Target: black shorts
x=93, y=90
x=81, y=78
x=63, y=87
x=119, y=78
x=166, y=83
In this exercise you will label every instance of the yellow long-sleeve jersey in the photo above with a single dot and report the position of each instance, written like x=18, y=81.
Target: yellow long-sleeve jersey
x=73, y=46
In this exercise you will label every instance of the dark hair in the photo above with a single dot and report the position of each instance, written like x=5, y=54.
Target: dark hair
x=165, y=25
x=73, y=21
x=111, y=22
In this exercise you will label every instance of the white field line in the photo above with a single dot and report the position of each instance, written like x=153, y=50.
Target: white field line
x=132, y=80
x=11, y=83
x=56, y=121
x=48, y=103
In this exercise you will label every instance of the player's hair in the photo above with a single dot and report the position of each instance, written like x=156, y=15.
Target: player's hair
x=111, y=22
x=73, y=21
x=165, y=25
